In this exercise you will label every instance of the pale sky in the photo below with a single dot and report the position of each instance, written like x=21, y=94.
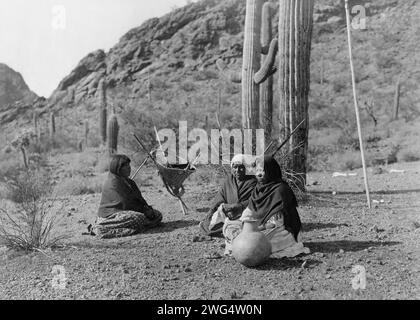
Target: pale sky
x=45, y=39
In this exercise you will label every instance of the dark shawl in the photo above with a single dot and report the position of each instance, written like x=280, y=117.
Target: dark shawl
x=275, y=196
x=231, y=192
x=119, y=193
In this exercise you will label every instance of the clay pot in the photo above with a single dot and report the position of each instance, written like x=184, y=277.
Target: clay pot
x=251, y=247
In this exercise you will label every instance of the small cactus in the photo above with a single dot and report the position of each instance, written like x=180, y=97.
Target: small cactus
x=102, y=110
x=37, y=128
x=113, y=129
x=397, y=99
x=86, y=133
x=52, y=125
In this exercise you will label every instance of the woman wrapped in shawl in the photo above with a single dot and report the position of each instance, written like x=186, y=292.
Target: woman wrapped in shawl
x=273, y=204
x=232, y=198
x=123, y=211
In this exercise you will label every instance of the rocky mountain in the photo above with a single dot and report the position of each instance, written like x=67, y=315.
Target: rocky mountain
x=164, y=70
x=15, y=95
x=187, y=41
x=13, y=87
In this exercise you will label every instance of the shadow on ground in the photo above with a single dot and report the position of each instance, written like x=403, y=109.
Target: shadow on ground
x=306, y=227
x=346, y=245
x=173, y=225
x=287, y=263
x=379, y=192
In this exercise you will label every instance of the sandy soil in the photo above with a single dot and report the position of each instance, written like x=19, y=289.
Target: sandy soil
x=166, y=262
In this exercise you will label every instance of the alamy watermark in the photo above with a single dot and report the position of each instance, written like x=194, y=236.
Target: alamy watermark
x=359, y=280
x=58, y=17
x=59, y=280
x=217, y=148
x=359, y=21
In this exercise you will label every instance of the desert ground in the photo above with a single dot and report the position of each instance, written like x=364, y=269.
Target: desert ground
x=171, y=262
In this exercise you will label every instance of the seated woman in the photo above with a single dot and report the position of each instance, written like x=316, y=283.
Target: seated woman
x=273, y=204
x=231, y=199
x=123, y=211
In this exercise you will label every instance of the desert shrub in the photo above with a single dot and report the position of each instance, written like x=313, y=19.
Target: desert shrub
x=409, y=154
x=318, y=157
x=205, y=74
x=76, y=186
x=10, y=163
x=187, y=86
x=60, y=143
x=159, y=83
x=348, y=160
x=29, y=224
x=26, y=184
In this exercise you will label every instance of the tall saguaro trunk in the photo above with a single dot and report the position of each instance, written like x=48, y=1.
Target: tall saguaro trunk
x=251, y=64
x=266, y=88
x=295, y=35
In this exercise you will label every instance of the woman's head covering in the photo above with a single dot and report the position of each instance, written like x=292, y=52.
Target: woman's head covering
x=272, y=170
x=237, y=159
x=116, y=163
x=274, y=196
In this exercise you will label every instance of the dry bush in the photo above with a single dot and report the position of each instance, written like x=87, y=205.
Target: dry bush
x=76, y=186
x=29, y=225
x=60, y=143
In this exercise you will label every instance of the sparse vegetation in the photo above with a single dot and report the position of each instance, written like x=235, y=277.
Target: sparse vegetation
x=29, y=223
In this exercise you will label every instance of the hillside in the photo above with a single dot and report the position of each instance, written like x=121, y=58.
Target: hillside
x=164, y=71
x=15, y=95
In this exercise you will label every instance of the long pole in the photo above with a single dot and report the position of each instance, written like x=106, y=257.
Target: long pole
x=141, y=166
x=356, y=106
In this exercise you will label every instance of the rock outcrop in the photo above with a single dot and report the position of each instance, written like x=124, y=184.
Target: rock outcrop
x=13, y=88
x=15, y=96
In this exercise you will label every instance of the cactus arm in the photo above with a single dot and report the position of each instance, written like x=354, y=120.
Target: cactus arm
x=266, y=31
x=267, y=68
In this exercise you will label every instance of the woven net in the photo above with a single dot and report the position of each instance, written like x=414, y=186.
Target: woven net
x=173, y=176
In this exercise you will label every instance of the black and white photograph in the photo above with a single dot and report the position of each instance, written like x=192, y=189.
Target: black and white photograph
x=209, y=155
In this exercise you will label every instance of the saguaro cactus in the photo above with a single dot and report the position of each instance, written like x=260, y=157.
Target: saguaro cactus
x=37, y=129
x=253, y=74
x=397, y=99
x=113, y=129
x=102, y=110
x=295, y=34
x=52, y=125
x=266, y=88
x=251, y=64
x=86, y=133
